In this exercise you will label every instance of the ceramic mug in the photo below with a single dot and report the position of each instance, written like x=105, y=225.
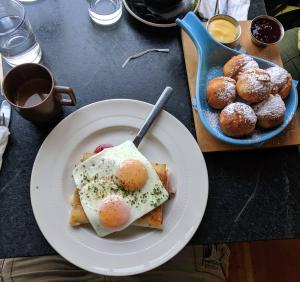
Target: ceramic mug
x=31, y=90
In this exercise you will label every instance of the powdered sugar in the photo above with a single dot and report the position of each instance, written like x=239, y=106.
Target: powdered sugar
x=212, y=118
x=272, y=107
x=249, y=65
x=257, y=82
x=230, y=87
x=214, y=71
x=243, y=63
x=278, y=75
x=256, y=134
x=228, y=93
x=242, y=110
x=240, y=60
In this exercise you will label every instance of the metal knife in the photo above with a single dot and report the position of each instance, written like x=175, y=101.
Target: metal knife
x=5, y=110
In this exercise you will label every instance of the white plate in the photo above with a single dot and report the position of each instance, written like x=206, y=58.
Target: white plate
x=134, y=250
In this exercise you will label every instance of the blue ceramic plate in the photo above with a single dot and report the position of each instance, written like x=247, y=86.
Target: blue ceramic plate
x=213, y=56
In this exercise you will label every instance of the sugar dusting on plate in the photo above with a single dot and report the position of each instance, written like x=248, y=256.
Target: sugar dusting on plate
x=255, y=135
x=214, y=71
x=212, y=118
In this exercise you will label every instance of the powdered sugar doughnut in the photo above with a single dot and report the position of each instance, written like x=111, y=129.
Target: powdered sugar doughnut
x=254, y=85
x=270, y=112
x=238, y=65
x=220, y=92
x=238, y=120
x=281, y=81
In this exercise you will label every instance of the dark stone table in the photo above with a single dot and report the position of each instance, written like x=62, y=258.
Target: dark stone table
x=253, y=195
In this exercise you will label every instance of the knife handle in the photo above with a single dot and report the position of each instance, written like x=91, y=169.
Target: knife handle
x=162, y=100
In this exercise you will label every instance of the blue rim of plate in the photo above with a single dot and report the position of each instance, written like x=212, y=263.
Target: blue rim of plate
x=267, y=135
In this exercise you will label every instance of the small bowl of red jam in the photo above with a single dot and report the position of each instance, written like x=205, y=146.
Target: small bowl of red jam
x=266, y=30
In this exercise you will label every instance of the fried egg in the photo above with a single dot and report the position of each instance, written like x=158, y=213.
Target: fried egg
x=116, y=187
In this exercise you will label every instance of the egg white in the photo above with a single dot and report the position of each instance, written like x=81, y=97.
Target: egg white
x=95, y=179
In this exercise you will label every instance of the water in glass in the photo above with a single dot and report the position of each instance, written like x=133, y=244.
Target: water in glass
x=18, y=44
x=105, y=12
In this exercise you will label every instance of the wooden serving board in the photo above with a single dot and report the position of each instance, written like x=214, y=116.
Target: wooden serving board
x=207, y=143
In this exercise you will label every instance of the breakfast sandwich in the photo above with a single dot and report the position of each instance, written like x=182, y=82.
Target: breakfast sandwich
x=116, y=188
x=153, y=219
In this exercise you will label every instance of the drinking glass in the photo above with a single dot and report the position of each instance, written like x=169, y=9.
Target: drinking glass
x=18, y=44
x=105, y=12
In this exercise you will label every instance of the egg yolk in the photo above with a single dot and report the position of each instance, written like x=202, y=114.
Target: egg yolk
x=114, y=213
x=132, y=175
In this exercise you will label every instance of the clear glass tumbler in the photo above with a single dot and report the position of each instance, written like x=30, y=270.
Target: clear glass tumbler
x=18, y=44
x=105, y=12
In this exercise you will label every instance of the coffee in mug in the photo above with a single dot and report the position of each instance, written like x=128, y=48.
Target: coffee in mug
x=31, y=90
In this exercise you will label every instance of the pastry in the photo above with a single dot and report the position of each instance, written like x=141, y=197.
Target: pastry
x=238, y=120
x=270, y=112
x=281, y=81
x=238, y=65
x=254, y=85
x=220, y=92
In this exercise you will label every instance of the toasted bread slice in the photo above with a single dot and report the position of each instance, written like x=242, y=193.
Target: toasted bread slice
x=153, y=219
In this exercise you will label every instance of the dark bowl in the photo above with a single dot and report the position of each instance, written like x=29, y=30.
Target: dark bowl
x=161, y=5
